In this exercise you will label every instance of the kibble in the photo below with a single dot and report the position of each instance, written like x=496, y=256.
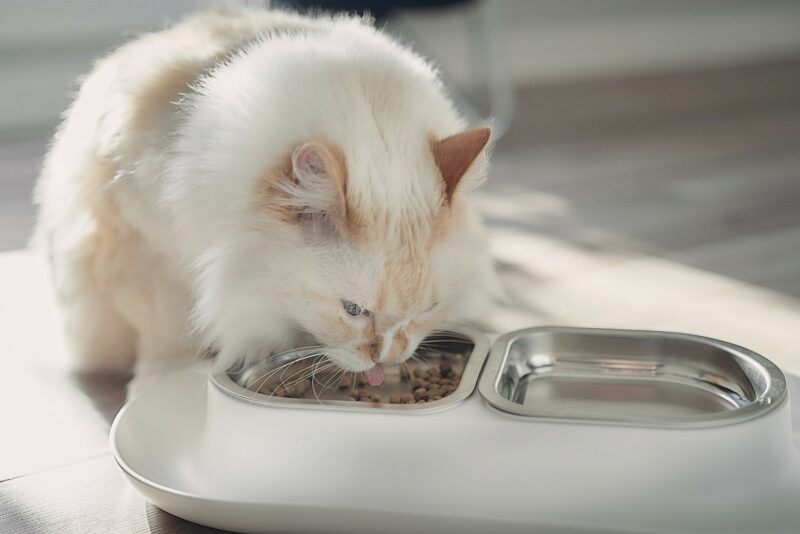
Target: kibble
x=427, y=384
x=405, y=374
x=445, y=368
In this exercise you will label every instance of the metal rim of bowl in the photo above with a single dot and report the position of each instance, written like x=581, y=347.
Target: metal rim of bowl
x=468, y=384
x=774, y=396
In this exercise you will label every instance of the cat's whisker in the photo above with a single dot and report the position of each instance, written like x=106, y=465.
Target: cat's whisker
x=259, y=382
x=439, y=342
x=305, y=374
x=283, y=367
x=263, y=379
x=301, y=375
x=307, y=355
x=417, y=356
x=310, y=348
x=326, y=386
x=313, y=388
x=302, y=370
x=441, y=333
x=334, y=379
x=319, y=365
x=444, y=336
x=443, y=339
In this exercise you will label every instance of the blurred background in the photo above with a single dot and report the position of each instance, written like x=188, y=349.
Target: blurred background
x=672, y=126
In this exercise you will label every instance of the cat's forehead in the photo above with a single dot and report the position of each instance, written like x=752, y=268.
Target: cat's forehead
x=401, y=221
x=393, y=181
x=406, y=190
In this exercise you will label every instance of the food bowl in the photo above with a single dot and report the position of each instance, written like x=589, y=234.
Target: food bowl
x=464, y=354
x=629, y=377
x=700, y=440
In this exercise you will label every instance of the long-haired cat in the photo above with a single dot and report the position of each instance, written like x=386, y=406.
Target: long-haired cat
x=245, y=182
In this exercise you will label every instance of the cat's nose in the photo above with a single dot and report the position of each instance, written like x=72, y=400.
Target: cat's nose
x=371, y=349
x=375, y=351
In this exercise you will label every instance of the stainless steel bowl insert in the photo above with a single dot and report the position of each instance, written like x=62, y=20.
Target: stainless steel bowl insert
x=629, y=377
x=466, y=350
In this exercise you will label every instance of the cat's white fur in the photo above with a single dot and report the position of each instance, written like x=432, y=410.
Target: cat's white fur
x=160, y=244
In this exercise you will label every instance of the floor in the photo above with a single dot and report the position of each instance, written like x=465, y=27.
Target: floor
x=668, y=201
x=700, y=167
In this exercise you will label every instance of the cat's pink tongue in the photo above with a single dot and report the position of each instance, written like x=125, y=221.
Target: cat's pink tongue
x=374, y=376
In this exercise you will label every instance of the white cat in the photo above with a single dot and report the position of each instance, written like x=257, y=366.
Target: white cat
x=249, y=181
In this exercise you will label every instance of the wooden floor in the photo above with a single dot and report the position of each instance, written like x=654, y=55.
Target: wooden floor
x=669, y=201
x=702, y=168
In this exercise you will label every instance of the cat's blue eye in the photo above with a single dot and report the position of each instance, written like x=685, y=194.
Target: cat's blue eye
x=352, y=308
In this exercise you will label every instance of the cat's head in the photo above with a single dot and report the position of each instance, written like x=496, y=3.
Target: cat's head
x=321, y=185
x=375, y=266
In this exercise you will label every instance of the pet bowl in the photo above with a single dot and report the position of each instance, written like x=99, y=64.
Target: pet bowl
x=325, y=392
x=629, y=377
x=686, y=434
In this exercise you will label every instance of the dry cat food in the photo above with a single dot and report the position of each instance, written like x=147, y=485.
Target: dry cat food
x=413, y=385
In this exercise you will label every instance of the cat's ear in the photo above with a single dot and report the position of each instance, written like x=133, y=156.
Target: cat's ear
x=312, y=192
x=454, y=156
x=320, y=175
x=316, y=163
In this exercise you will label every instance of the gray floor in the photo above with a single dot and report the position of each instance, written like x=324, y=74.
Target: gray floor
x=701, y=167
